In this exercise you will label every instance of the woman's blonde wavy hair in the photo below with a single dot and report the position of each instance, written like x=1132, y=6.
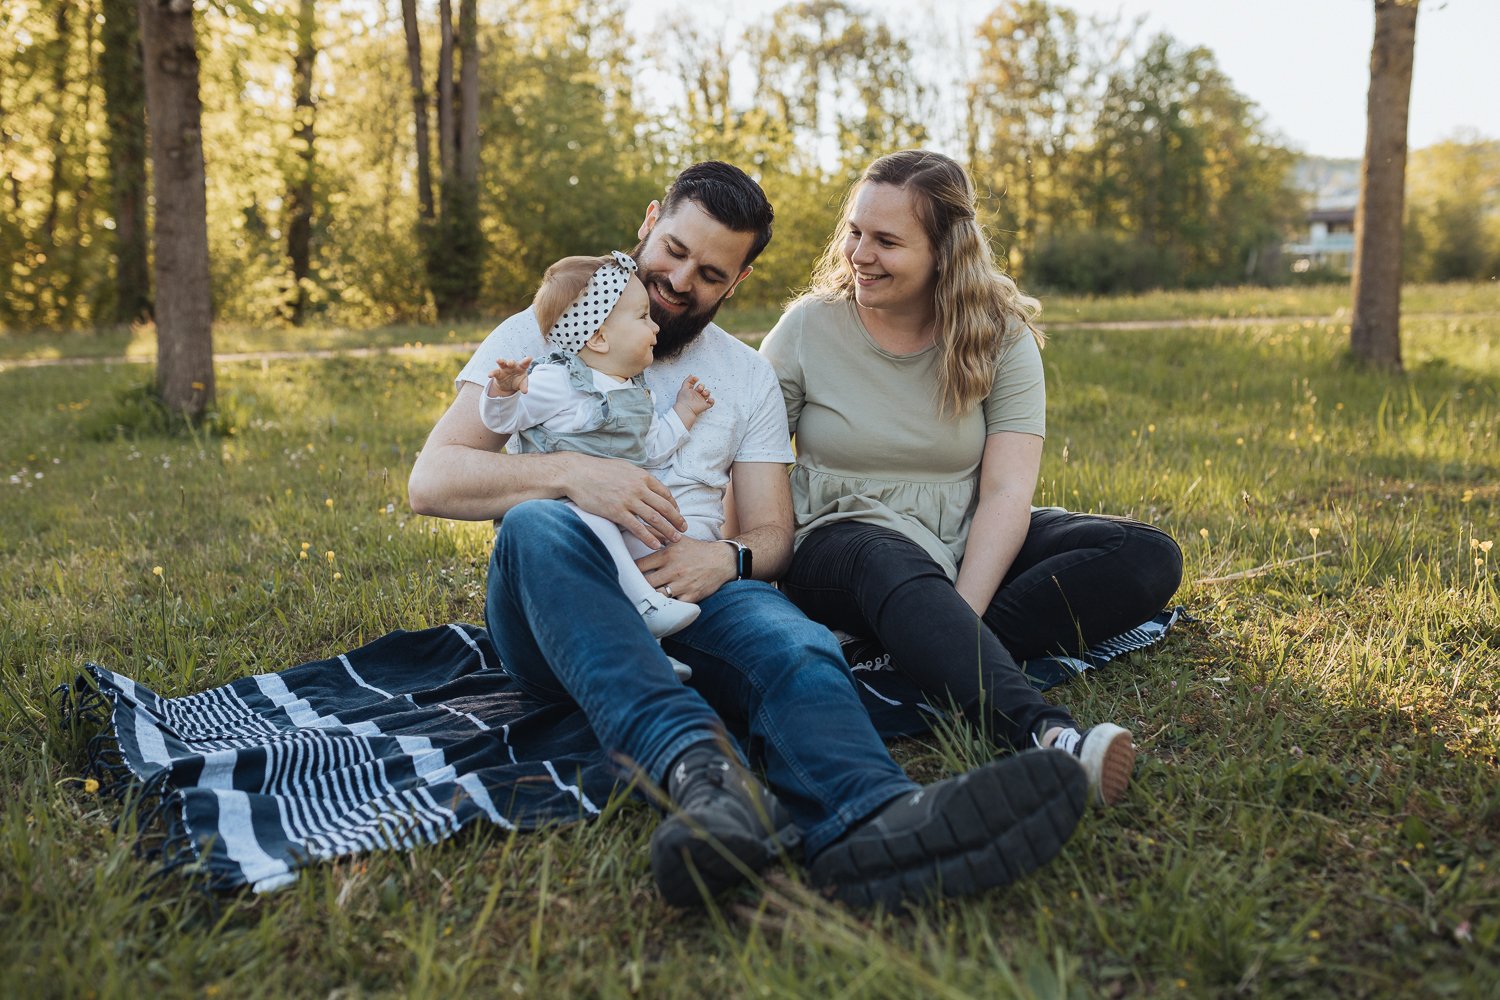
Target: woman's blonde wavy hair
x=978, y=307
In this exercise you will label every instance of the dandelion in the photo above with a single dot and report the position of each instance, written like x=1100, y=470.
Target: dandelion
x=91, y=786
x=328, y=502
x=302, y=554
x=306, y=546
x=156, y=571
x=1315, y=532
x=1150, y=428
x=328, y=555
x=1486, y=545
x=338, y=576
x=1203, y=533
x=1240, y=442
x=1314, y=934
x=1468, y=495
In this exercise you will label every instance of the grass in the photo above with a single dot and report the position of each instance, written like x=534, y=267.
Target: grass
x=1302, y=301
x=1316, y=811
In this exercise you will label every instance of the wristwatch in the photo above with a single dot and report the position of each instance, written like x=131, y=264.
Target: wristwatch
x=742, y=558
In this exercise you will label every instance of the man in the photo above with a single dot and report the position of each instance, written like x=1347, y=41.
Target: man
x=565, y=631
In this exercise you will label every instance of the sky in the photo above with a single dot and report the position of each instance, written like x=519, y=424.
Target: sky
x=1306, y=63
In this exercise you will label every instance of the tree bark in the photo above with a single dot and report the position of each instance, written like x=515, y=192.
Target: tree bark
x=1375, y=330
x=184, y=307
x=300, y=191
x=419, y=108
x=468, y=99
x=55, y=132
x=447, y=132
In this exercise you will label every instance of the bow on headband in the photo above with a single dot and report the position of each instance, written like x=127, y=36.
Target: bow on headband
x=593, y=305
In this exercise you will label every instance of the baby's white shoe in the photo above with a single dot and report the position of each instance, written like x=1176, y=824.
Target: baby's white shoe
x=666, y=615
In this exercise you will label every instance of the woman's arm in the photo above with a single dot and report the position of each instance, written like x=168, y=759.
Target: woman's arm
x=1008, y=473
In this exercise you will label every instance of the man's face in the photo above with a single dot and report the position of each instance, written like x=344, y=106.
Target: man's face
x=690, y=263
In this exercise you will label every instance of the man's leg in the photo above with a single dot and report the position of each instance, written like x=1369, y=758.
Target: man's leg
x=663, y=615
x=871, y=835
x=761, y=662
x=565, y=631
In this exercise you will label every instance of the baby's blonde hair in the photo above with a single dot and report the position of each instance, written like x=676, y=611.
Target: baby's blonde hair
x=561, y=285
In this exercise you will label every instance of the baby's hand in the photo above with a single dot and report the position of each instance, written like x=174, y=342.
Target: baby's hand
x=694, y=396
x=509, y=377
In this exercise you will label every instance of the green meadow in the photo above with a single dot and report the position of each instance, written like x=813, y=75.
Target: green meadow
x=1315, y=812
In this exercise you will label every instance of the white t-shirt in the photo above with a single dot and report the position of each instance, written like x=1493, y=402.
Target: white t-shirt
x=747, y=422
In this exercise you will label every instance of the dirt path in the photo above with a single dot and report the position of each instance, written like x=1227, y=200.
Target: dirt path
x=470, y=347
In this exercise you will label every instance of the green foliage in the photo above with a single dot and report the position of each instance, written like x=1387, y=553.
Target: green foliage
x=1453, y=211
x=1101, y=261
x=1314, y=812
x=137, y=411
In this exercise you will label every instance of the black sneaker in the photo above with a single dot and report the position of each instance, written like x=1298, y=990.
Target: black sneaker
x=957, y=837
x=720, y=832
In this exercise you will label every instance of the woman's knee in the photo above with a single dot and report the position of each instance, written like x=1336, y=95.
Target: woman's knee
x=1157, y=559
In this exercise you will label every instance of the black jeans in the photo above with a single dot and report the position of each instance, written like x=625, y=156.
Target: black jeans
x=1077, y=579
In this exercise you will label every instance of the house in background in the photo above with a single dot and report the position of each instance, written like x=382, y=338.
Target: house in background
x=1328, y=244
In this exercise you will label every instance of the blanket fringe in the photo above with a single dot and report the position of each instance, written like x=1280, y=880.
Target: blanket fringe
x=149, y=805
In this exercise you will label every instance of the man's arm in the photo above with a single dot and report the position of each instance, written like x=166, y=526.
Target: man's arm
x=463, y=473
x=694, y=569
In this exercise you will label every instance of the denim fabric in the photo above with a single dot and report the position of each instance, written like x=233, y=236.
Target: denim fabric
x=1077, y=579
x=566, y=632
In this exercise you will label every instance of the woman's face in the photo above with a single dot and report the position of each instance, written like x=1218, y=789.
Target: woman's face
x=894, y=264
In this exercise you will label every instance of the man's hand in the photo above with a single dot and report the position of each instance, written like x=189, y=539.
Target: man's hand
x=508, y=377
x=627, y=495
x=692, y=568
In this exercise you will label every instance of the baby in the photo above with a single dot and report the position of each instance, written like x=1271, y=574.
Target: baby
x=588, y=396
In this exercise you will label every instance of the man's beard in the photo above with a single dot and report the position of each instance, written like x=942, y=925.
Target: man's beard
x=675, y=331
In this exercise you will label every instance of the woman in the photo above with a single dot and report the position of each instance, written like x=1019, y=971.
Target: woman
x=914, y=387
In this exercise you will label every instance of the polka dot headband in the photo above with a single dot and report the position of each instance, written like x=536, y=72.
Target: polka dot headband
x=592, y=307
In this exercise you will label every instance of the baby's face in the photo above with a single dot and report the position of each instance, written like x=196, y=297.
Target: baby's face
x=630, y=332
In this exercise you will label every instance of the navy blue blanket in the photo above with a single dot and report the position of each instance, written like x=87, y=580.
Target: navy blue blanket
x=404, y=741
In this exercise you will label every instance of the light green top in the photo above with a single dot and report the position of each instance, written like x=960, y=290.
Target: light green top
x=871, y=443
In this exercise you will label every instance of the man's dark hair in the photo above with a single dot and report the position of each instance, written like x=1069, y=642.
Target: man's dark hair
x=727, y=194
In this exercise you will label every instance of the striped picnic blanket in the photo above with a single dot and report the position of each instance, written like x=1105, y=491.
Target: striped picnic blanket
x=403, y=741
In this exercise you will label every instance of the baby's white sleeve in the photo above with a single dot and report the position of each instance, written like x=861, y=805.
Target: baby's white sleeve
x=667, y=434
x=548, y=393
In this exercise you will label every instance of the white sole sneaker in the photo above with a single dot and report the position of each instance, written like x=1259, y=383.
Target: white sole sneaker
x=1107, y=753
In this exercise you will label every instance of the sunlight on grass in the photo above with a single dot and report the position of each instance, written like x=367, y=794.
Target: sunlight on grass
x=1315, y=811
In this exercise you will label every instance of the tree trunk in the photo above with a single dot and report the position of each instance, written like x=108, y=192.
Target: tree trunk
x=447, y=134
x=300, y=191
x=184, y=307
x=1375, y=330
x=125, y=109
x=55, y=131
x=419, y=108
x=468, y=99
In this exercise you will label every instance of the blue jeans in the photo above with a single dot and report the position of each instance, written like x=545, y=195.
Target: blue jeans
x=566, y=632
